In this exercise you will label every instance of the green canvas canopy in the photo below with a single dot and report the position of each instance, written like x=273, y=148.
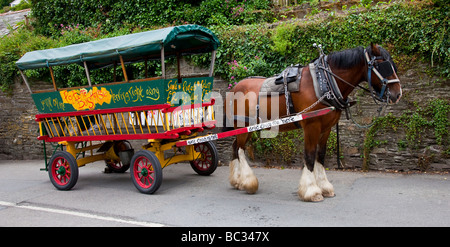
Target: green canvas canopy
x=185, y=39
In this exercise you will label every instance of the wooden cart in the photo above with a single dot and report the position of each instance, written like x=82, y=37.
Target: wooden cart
x=94, y=122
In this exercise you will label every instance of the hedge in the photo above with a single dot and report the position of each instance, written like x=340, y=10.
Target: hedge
x=418, y=28
x=112, y=14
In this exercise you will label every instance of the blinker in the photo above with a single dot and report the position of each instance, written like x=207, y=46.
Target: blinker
x=385, y=69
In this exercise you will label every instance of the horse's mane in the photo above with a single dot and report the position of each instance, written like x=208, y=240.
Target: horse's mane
x=347, y=58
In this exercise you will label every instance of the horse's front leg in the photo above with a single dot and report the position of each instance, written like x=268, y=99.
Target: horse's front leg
x=319, y=170
x=308, y=189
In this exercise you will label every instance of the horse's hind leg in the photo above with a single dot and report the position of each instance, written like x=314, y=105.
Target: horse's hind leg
x=241, y=175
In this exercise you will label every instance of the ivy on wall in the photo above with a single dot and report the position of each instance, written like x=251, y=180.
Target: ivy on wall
x=416, y=28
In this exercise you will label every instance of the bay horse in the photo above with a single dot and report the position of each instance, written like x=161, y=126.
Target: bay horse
x=349, y=68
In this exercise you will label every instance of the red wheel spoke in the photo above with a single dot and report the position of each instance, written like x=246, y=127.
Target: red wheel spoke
x=60, y=170
x=143, y=172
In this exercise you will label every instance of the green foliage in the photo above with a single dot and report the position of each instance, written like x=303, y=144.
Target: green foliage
x=283, y=39
x=411, y=28
x=249, y=47
x=20, y=6
x=284, y=148
x=438, y=111
x=239, y=71
x=112, y=14
x=12, y=47
x=400, y=27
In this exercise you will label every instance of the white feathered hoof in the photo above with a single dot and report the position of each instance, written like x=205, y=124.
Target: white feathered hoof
x=249, y=184
x=235, y=171
x=248, y=180
x=308, y=190
x=322, y=180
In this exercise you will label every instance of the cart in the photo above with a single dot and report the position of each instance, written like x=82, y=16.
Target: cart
x=96, y=121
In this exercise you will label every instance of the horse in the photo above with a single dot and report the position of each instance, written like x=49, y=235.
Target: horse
x=349, y=68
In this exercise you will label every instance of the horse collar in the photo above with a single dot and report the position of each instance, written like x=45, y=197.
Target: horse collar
x=325, y=83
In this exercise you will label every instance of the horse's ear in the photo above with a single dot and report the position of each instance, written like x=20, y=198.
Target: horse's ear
x=375, y=49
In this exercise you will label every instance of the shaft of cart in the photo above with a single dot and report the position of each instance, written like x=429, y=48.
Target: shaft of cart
x=256, y=127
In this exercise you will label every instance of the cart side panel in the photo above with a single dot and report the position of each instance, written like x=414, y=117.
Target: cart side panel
x=114, y=96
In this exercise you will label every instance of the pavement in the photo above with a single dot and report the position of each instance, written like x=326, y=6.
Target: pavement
x=27, y=198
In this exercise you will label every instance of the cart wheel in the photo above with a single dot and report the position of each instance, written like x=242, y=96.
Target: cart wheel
x=63, y=170
x=146, y=172
x=125, y=152
x=116, y=166
x=206, y=164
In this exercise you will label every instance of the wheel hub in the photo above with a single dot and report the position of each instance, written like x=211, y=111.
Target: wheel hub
x=202, y=157
x=144, y=172
x=61, y=170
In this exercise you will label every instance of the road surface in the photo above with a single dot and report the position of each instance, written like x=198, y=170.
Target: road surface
x=27, y=198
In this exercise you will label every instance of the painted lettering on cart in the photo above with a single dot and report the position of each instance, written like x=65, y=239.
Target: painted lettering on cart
x=82, y=99
x=194, y=88
x=51, y=104
x=109, y=96
x=134, y=94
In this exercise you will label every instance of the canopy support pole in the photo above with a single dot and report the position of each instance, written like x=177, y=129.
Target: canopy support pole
x=53, y=79
x=114, y=71
x=87, y=73
x=25, y=80
x=146, y=68
x=213, y=60
x=178, y=67
x=163, y=67
x=123, y=68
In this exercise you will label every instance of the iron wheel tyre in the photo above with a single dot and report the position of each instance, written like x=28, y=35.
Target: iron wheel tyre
x=146, y=172
x=63, y=170
x=206, y=164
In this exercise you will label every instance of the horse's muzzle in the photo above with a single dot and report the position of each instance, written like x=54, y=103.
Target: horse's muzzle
x=394, y=98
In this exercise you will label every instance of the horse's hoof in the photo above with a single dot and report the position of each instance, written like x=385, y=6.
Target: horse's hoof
x=312, y=194
x=328, y=191
x=328, y=194
x=250, y=185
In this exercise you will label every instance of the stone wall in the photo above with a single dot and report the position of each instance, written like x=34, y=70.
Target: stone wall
x=18, y=128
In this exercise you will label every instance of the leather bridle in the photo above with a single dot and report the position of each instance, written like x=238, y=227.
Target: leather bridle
x=382, y=70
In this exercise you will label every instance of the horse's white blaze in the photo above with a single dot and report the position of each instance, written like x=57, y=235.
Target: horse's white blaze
x=322, y=180
x=308, y=189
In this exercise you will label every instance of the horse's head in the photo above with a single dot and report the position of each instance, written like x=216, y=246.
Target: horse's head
x=382, y=74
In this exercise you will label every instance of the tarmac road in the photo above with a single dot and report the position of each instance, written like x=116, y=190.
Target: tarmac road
x=27, y=198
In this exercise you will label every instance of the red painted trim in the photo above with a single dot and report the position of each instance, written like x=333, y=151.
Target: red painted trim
x=199, y=127
x=40, y=117
x=185, y=107
x=110, y=137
